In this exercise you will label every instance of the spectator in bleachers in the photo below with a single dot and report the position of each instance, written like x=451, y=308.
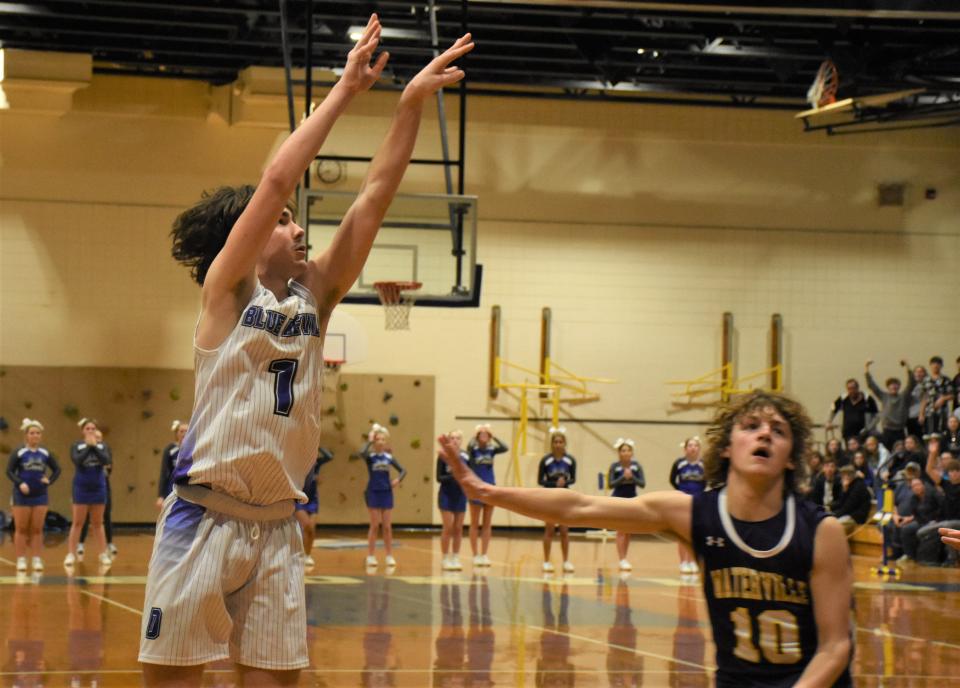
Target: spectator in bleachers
x=814, y=466
x=950, y=441
x=956, y=390
x=852, y=508
x=937, y=395
x=914, y=423
x=877, y=455
x=896, y=404
x=947, y=479
x=907, y=452
x=903, y=507
x=862, y=468
x=834, y=450
x=858, y=411
x=827, y=487
x=853, y=446
x=927, y=507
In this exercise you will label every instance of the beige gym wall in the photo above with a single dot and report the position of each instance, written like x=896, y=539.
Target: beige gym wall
x=638, y=225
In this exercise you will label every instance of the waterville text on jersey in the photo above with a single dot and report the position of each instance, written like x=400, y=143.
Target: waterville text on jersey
x=278, y=324
x=746, y=583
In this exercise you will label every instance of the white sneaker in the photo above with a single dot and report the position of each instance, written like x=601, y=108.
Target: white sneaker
x=105, y=559
x=112, y=548
x=684, y=567
x=308, y=562
x=455, y=564
x=478, y=560
x=568, y=567
x=80, y=550
x=547, y=567
x=692, y=567
x=21, y=564
x=390, y=561
x=37, y=564
x=445, y=563
x=486, y=560
x=372, y=562
x=70, y=559
x=625, y=565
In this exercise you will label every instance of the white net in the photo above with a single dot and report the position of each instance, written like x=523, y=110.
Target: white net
x=397, y=299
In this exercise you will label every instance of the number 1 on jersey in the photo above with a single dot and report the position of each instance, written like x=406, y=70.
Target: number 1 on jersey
x=284, y=371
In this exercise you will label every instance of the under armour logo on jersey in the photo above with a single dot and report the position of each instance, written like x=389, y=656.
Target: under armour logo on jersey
x=715, y=541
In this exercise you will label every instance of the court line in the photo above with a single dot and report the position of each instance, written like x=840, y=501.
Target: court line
x=888, y=634
x=574, y=636
x=113, y=602
x=7, y=561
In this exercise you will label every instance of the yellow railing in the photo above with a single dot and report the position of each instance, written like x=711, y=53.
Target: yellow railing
x=721, y=382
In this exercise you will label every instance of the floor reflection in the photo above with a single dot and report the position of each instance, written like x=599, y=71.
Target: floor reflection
x=553, y=665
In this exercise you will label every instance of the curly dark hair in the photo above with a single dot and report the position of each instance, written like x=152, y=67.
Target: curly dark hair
x=716, y=466
x=200, y=232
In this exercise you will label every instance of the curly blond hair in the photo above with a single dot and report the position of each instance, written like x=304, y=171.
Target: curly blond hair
x=716, y=465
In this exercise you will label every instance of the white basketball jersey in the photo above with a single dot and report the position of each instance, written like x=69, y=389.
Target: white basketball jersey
x=255, y=426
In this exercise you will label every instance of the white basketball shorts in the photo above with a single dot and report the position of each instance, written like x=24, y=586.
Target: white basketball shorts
x=224, y=587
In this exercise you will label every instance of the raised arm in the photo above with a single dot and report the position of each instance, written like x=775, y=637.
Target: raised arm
x=831, y=585
x=230, y=278
x=498, y=446
x=871, y=383
x=933, y=458
x=336, y=269
x=658, y=511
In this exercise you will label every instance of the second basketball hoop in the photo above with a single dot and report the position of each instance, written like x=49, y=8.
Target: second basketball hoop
x=397, y=299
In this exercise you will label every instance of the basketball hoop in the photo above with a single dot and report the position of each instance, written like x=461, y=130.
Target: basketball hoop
x=332, y=366
x=397, y=299
x=823, y=91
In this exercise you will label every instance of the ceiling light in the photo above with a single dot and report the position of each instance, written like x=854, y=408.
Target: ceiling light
x=641, y=51
x=356, y=32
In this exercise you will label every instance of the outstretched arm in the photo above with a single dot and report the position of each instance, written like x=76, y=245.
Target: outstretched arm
x=658, y=511
x=950, y=536
x=231, y=276
x=335, y=270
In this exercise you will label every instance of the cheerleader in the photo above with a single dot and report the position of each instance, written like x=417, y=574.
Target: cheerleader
x=108, y=509
x=482, y=450
x=625, y=477
x=305, y=512
x=168, y=461
x=379, y=492
x=32, y=469
x=91, y=459
x=557, y=469
x=687, y=475
x=453, y=505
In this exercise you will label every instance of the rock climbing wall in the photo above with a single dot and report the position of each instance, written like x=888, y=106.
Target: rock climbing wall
x=404, y=404
x=135, y=408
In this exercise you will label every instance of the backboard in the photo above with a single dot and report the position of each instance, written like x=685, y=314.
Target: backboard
x=346, y=339
x=428, y=238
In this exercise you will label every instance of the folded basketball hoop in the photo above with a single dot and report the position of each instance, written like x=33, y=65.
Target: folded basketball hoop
x=397, y=299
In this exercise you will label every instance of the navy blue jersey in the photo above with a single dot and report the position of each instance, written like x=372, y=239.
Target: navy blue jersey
x=481, y=458
x=623, y=486
x=378, y=468
x=168, y=461
x=756, y=578
x=30, y=466
x=551, y=469
x=324, y=456
x=91, y=461
x=687, y=476
x=445, y=475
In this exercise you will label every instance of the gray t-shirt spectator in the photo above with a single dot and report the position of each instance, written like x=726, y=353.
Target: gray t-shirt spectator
x=896, y=407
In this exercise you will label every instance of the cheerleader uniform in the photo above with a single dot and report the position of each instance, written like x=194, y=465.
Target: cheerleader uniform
x=30, y=466
x=312, y=504
x=90, y=480
x=551, y=469
x=625, y=487
x=688, y=476
x=379, y=493
x=481, y=460
x=450, y=497
x=168, y=462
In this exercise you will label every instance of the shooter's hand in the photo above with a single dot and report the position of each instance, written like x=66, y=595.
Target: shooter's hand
x=439, y=73
x=358, y=74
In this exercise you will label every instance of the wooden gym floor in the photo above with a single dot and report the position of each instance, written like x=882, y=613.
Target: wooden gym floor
x=501, y=626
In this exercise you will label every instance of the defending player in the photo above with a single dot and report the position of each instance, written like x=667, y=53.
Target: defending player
x=226, y=575
x=776, y=570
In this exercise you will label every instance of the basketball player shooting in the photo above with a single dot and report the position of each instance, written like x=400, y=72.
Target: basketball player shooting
x=776, y=570
x=226, y=574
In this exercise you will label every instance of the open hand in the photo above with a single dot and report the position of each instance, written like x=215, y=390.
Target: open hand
x=439, y=73
x=358, y=74
x=472, y=486
x=950, y=536
x=24, y=488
